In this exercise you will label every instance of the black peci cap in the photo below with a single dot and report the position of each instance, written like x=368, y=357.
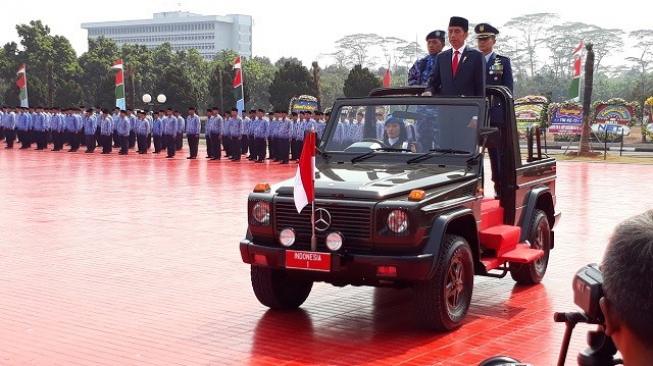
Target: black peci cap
x=459, y=22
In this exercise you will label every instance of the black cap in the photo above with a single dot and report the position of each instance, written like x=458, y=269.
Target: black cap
x=484, y=30
x=105, y=111
x=293, y=114
x=261, y=110
x=234, y=109
x=459, y=22
x=89, y=110
x=436, y=34
x=191, y=108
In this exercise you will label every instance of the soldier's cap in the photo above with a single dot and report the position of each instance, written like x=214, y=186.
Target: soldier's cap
x=393, y=119
x=436, y=34
x=459, y=22
x=484, y=30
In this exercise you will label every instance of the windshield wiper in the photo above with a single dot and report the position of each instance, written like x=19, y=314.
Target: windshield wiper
x=374, y=151
x=434, y=152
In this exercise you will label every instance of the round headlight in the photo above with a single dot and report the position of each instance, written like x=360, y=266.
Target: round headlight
x=261, y=212
x=334, y=241
x=398, y=221
x=287, y=237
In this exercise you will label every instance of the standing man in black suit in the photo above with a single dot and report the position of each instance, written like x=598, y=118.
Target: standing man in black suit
x=460, y=70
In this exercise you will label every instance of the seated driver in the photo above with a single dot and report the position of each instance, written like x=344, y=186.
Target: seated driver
x=395, y=135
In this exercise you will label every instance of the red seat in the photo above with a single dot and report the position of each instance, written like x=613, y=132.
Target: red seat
x=501, y=238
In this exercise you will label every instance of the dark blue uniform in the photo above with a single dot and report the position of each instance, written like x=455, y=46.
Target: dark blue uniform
x=498, y=72
x=420, y=72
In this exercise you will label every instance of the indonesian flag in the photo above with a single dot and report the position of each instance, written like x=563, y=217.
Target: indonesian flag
x=387, y=79
x=21, y=83
x=238, y=77
x=117, y=65
x=574, y=88
x=239, y=93
x=120, y=84
x=579, y=48
x=304, y=186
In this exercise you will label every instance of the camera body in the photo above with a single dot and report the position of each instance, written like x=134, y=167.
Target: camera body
x=588, y=290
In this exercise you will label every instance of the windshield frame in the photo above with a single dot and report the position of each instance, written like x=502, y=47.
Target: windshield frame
x=390, y=156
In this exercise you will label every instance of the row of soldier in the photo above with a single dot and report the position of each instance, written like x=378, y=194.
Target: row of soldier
x=280, y=133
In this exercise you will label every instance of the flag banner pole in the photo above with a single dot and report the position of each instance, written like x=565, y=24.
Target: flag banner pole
x=313, y=237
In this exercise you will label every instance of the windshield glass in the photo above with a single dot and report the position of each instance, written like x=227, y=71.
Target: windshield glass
x=410, y=129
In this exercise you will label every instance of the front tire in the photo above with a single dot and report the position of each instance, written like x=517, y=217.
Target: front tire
x=539, y=238
x=442, y=302
x=274, y=289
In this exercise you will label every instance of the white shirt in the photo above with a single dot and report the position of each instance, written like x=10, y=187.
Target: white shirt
x=460, y=53
x=487, y=57
x=392, y=141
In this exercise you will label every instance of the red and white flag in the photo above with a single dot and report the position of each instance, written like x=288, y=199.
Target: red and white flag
x=387, y=79
x=304, y=187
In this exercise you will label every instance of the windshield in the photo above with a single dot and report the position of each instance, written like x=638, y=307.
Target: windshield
x=409, y=129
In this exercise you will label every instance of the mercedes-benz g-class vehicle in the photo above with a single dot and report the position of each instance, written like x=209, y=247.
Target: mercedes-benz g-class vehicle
x=399, y=201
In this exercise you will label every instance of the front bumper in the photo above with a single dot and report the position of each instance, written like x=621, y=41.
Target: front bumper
x=346, y=268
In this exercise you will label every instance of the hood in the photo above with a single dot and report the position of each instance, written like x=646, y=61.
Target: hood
x=360, y=181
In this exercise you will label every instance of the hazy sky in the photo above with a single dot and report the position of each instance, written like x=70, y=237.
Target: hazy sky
x=306, y=29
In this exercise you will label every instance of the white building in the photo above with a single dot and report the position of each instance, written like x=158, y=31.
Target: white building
x=208, y=34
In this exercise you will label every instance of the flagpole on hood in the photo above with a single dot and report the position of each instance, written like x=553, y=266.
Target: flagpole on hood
x=311, y=140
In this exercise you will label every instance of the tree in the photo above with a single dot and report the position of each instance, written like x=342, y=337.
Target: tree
x=357, y=47
x=96, y=77
x=258, y=73
x=561, y=41
x=587, y=101
x=332, y=81
x=177, y=86
x=292, y=79
x=360, y=82
x=643, y=60
x=220, y=86
x=605, y=41
x=409, y=53
x=197, y=70
x=530, y=34
x=51, y=62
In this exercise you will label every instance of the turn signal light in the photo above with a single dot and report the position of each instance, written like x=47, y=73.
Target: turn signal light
x=261, y=188
x=416, y=195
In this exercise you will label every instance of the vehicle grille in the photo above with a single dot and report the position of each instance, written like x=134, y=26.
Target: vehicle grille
x=354, y=222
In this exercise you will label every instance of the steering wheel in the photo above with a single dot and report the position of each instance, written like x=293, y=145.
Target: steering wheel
x=370, y=139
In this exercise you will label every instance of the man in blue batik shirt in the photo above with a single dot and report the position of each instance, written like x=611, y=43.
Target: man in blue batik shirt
x=193, y=127
x=419, y=73
x=90, y=125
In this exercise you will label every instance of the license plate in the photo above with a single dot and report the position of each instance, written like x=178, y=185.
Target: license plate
x=311, y=261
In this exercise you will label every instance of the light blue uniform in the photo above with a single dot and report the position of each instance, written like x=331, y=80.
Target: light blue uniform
x=193, y=125
x=123, y=126
x=90, y=125
x=143, y=127
x=106, y=126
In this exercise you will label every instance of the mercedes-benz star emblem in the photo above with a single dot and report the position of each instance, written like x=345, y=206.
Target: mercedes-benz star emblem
x=322, y=219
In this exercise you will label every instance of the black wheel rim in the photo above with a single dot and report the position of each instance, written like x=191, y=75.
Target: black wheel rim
x=454, y=291
x=541, y=241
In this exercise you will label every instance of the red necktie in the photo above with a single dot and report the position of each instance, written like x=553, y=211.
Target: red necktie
x=454, y=63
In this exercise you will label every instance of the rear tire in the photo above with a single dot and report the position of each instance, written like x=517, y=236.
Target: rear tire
x=442, y=302
x=274, y=289
x=539, y=238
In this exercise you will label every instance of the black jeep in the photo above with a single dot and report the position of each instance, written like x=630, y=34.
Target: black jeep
x=399, y=201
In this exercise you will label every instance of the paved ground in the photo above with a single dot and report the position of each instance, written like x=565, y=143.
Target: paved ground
x=108, y=260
